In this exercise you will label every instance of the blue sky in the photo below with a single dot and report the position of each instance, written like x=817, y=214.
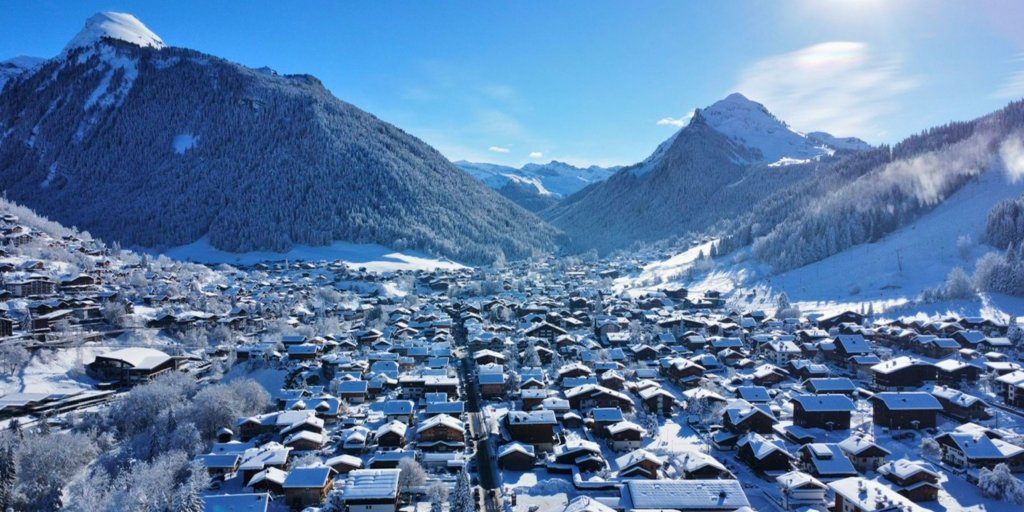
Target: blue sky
x=597, y=81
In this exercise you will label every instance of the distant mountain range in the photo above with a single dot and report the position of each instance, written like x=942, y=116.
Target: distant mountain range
x=154, y=146
x=536, y=186
x=727, y=157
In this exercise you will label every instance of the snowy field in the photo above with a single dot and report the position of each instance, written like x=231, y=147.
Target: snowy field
x=376, y=258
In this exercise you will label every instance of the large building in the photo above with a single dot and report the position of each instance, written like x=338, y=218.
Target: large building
x=130, y=366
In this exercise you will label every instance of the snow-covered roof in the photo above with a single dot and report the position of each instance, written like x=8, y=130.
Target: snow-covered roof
x=685, y=494
x=909, y=401
x=247, y=502
x=140, y=358
x=316, y=476
x=371, y=484
x=824, y=403
x=869, y=495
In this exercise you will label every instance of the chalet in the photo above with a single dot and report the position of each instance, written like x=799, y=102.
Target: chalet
x=762, y=454
x=955, y=373
x=753, y=394
x=976, y=449
x=625, y=435
x=831, y=412
x=589, y=396
x=391, y=434
x=850, y=345
x=902, y=374
x=658, y=401
x=800, y=490
x=740, y=417
x=131, y=366
x=546, y=331
x=443, y=432
x=344, y=463
x=682, y=371
x=584, y=455
x=828, y=322
x=640, y=463
x=865, y=454
x=517, y=456
x=603, y=417
x=308, y=486
x=856, y=494
x=905, y=410
x=535, y=427
x=373, y=490
x=695, y=465
x=831, y=386
x=1012, y=388
x=960, y=405
x=825, y=461
x=916, y=480
x=492, y=383
x=399, y=410
x=269, y=480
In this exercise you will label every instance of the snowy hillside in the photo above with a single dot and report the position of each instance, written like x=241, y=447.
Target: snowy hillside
x=17, y=66
x=707, y=172
x=888, y=273
x=153, y=147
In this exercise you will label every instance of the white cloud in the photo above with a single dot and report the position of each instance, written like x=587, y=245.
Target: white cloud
x=1013, y=86
x=840, y=87
x=536, y=154
x=498, y=149
x=677, y=122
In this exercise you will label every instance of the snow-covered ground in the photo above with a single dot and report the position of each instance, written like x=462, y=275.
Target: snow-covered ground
x=376, y=258
x=887, y=274
x=53, y=371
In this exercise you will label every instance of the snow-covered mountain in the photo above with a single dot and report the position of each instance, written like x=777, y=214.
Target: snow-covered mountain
x=750, y=124
x=115, y=25
x=536, y=186
x=710, y=170
x=17, y=66
x=155, y=146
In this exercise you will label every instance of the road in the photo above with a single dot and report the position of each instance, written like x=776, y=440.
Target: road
x=486, y=463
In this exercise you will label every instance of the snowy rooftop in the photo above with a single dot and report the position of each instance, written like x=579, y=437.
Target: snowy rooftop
x=140, y=358
x=685, y=494
x=869, y=494
x=368, y=484
x=909, y=401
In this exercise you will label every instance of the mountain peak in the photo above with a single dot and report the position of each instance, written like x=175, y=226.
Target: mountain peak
x=750, y=124
x=115, y=25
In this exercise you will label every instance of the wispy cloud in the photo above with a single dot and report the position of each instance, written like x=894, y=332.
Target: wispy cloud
x=678, y=122
x=536, y=154
x=498, y=149
x=1013, y=86
x=840, y=87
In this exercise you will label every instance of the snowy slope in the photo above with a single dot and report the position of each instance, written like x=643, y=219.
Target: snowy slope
x=554, y=178
x=888, y=273
x=115, y=25
x=375, y=258
x=12, y=68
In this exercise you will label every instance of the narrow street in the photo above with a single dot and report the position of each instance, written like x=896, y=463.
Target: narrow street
x=486, y=464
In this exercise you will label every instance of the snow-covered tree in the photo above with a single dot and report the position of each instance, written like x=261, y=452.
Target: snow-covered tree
x=8, y=477
x=1001, y=484
x=438, y=494
x=461, y=498
x=189, y=497
x=412, y=475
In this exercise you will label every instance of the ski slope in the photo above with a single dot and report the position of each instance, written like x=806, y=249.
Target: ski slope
x=375, y=258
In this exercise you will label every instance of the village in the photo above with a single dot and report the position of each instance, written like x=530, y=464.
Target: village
x=529, y=386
